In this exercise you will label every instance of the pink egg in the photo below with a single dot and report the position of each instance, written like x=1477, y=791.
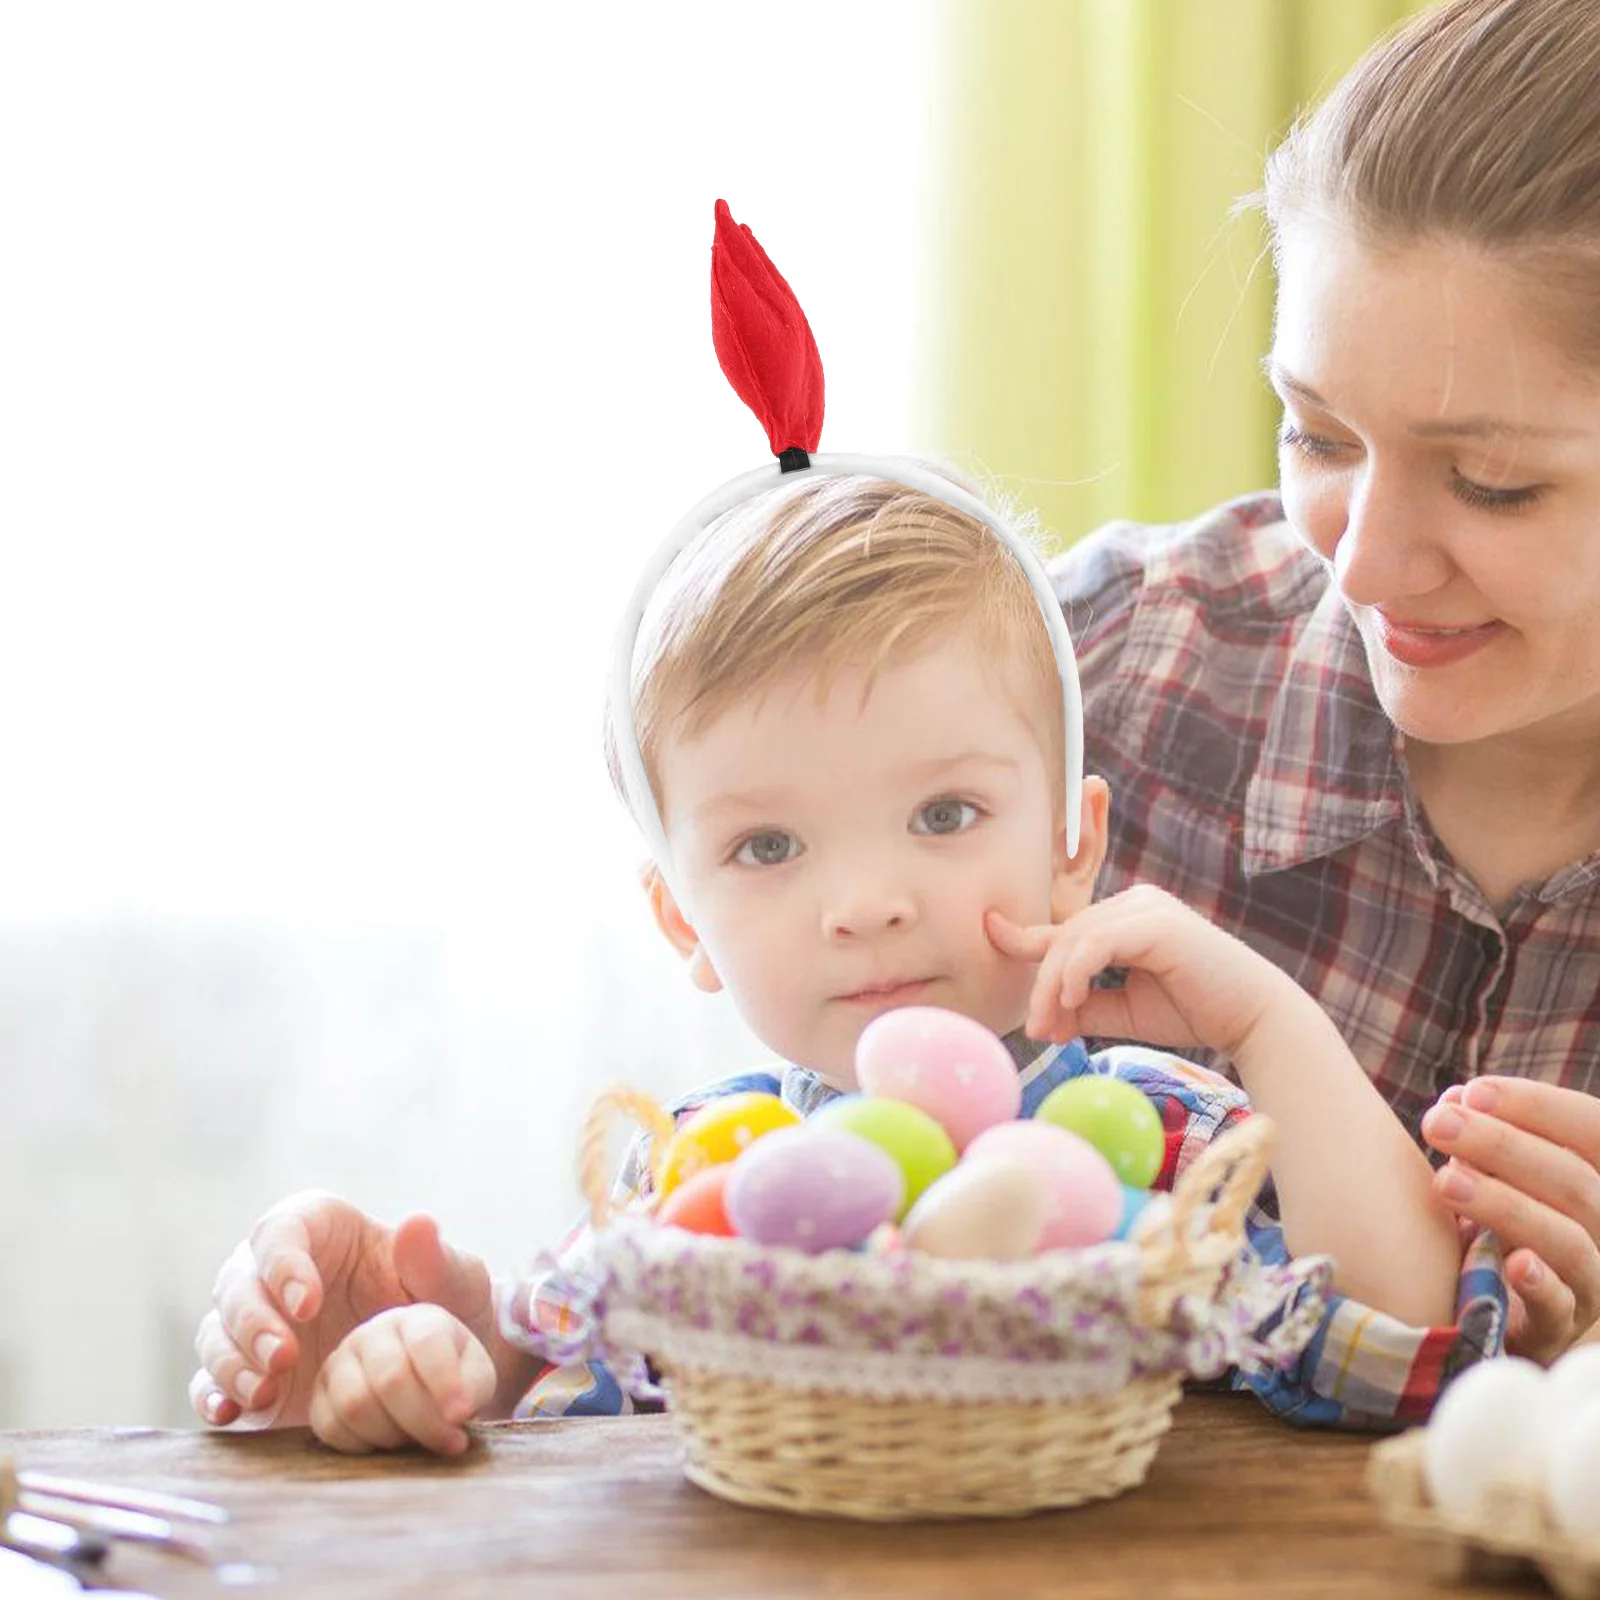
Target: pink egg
x=1085, y=1195
x=943, y=1063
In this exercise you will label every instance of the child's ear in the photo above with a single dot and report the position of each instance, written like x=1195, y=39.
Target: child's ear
x=1072, y=881
x=672, y=922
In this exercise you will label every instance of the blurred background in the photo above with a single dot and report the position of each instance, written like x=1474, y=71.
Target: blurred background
x=352, y=359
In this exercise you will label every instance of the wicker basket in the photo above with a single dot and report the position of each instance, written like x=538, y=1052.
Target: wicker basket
x=1505, y=1546
x=865, y=1426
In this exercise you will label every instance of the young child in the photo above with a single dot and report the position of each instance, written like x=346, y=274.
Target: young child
x=849, y=715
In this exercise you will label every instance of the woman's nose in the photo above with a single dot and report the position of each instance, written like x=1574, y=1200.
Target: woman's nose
x=1389, y=547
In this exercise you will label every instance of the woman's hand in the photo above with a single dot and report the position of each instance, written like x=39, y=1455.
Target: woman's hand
x=1525, y=1163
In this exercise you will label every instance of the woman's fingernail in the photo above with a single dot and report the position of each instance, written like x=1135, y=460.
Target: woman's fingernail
x=266, y=1347
x=214, y=1405
x=1443, y=1125
x=1452, y=1095
x=1456, y=1184
x=294, y=1296
x=248, y=1385
x=1532, y=1272
x=1482, y=1095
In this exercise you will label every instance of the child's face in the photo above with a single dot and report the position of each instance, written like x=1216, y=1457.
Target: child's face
x=837, y=858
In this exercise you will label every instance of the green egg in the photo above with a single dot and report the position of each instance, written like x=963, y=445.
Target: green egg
x=1119, y=1121
x=919, y=1146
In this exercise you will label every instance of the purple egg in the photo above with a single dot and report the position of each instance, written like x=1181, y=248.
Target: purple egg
x=812, y=1189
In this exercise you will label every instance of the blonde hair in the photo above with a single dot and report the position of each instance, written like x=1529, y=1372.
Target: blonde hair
x=835, y=573
x=1476, y=121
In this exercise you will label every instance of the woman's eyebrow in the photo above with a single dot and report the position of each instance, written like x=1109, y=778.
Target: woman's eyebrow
x=1438, y=427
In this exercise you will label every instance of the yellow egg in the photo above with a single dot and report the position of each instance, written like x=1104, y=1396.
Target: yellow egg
x=720, y=1132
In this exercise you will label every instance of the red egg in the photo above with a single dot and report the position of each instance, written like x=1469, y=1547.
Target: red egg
x=697, y=1206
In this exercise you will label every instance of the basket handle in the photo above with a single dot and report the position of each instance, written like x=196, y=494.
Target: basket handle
x=1218, y=1187
x=594, y=1165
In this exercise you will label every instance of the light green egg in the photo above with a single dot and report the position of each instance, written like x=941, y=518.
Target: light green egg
x=919, y=1146
x=1119, y=1121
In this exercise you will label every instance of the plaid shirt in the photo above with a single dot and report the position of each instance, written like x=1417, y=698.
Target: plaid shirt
x=1361, y=1368
x=1255, y=776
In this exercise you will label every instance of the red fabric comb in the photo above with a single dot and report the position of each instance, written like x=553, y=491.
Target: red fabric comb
x=763, y=340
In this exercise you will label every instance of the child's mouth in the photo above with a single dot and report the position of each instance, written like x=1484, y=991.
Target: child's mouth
x=899, y=990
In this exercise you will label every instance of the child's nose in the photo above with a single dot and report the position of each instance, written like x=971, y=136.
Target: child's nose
x=866, y=910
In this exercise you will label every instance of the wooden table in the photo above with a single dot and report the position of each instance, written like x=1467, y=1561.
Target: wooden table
x=1236, y=1504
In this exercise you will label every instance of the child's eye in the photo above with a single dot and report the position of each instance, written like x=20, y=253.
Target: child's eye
x=945, y=816
x=769, y=849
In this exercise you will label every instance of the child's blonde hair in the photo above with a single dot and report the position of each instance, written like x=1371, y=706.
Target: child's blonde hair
x=1478, y=121
x=840, y=572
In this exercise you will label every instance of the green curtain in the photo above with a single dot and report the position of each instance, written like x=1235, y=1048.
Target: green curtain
x=1100, y=315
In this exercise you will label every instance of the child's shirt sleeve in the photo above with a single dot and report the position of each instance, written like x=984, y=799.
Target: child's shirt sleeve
x=537, y=1309
x=1362, y=1368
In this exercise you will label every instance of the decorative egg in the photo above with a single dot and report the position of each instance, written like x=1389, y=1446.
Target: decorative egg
x=699, y=1203
x=943, y=1063
x=1134, y=1202
x=1571, y=1470
x=1117, y=1119
x=919, y=1146
x=1154, y=1214
x=813, y=1189
x=980, y=1210
x=1085, y=1197
x=1572, y=1379
x=721, y=1130
x=1487, y=1430
x=885, y=1241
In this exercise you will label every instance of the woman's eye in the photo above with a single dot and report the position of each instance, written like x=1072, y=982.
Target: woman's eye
x=1487, y=499
x=769, y=849
x=945, y=816
x=1307, y=444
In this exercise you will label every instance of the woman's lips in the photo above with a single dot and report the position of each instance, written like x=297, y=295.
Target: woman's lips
x=1413, y=645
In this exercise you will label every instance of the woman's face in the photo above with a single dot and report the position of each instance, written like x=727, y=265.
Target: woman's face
x=1439, y=452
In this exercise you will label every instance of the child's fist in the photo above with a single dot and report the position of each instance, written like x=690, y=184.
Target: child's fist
x=411, y=1374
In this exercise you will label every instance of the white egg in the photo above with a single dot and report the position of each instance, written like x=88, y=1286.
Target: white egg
x=1575, y=1376
x=1487, y=1430
x=980, y=1210
x=1572, y=1470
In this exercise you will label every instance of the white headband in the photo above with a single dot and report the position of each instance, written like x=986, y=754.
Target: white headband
x=641, y=798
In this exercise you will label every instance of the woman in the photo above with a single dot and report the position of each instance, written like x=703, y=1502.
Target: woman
x=1360, y=724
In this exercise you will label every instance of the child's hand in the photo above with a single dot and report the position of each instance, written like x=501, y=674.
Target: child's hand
x=1188, y=983
x=413, y=1374
x=313, y=1269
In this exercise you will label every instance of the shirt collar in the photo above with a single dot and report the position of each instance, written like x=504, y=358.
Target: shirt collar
x=1329, y=772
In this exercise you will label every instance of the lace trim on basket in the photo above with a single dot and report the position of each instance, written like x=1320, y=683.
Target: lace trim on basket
x=904, y=1326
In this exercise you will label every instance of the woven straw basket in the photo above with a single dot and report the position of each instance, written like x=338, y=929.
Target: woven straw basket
x=866, y=1404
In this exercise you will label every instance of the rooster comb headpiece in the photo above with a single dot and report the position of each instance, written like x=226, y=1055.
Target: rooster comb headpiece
x=767, y=353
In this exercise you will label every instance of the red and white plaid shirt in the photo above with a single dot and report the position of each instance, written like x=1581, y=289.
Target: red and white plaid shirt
x=1254, y=775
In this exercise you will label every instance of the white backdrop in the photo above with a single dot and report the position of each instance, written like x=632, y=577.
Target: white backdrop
x=352, y=358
